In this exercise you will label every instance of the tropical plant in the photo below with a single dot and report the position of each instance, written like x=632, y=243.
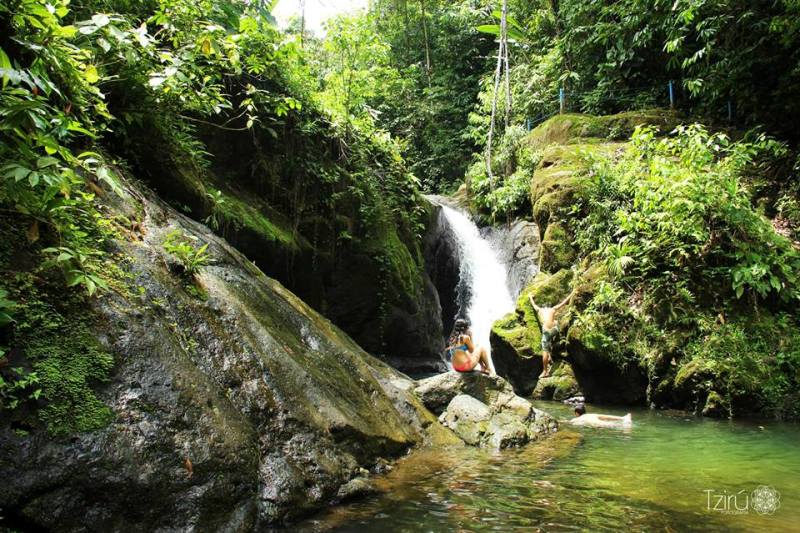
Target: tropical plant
x=183, y=248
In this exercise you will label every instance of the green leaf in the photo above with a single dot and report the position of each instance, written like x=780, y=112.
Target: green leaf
x=107, y=175
x=248, y=24
x=45, y=162
x=90, y=74
x=491, y=29
x=100, y=20
x=5, y=65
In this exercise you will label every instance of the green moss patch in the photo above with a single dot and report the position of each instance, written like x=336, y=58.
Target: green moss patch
x=53, y=338
x=574, y=127
x=556, y=251
x=240, y=214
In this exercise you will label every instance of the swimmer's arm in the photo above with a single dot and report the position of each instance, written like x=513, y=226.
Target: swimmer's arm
x=610, y=418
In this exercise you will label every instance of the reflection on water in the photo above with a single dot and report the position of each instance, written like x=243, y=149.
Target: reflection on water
x=655, y=477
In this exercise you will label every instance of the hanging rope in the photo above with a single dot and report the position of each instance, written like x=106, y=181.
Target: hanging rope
x=502, y=66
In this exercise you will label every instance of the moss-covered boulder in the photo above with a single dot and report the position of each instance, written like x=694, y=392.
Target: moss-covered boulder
x=557, y=251
x=516, y=338
x=516, y=353
x=559, y=177
x=232, y=404
x=560, y=385
x=571, y=128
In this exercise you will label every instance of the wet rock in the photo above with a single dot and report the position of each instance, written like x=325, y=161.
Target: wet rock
x=436, y=392
x=601, y=380
x=506, y=430
x=467, y=417
x=518, y=247
x=560, y=385
x=232, y=412
x=484, y=411
x=443, y=265
x=714, y=406
x=298, y=241
x=355, y=488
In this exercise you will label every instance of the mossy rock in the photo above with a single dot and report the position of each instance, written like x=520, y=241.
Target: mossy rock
x=559, y=177
x=516, y=351
x=556, y=251
x=715, y=406
x=547, y=289
x=575, y=127
x=559, y=386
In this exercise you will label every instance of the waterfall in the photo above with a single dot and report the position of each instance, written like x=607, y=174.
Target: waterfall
x=482, y=278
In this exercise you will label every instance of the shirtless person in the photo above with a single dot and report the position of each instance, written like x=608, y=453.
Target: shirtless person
x=547, y=319
x=600, y=421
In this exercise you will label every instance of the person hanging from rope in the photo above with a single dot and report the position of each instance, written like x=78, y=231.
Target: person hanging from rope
x=547, y=319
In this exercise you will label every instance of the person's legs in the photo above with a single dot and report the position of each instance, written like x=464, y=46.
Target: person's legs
x=485, y=360
x=546, y=359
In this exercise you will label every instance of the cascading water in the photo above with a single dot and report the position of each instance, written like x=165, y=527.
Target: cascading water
x=482, y=276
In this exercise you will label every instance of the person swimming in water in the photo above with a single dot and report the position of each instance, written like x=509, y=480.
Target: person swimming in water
x=599, y=421
x=464, y=354
x=547, y=319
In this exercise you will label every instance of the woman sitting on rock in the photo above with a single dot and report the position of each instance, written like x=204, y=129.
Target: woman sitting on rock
x=464, y=355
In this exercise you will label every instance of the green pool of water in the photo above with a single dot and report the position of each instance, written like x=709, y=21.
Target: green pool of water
x=666, y=474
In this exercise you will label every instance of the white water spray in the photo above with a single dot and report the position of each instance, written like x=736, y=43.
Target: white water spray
x=485, y=275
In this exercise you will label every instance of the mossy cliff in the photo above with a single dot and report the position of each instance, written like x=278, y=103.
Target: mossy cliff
x=623, y=341
x=217, y=399
x=337, y=219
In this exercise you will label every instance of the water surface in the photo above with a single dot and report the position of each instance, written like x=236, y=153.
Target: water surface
x=654, y=477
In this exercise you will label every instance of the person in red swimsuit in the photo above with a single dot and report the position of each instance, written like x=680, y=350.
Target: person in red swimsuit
x=465, y=356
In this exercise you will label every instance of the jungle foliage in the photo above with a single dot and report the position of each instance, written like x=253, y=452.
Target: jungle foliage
x=689, y=256
x=81, y=82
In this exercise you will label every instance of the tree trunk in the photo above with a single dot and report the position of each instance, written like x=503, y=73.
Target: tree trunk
x=427, y=41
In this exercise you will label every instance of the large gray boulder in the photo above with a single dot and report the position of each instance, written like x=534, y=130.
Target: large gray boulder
x=517, y=245
x=483, y=410
x=437, y=391
x=235, y=405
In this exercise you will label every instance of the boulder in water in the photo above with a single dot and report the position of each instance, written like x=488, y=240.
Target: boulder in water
x=436, y=392
x=561, y=384
x=484, y=411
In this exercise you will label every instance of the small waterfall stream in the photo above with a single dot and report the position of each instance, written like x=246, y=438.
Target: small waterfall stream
x=482, y=277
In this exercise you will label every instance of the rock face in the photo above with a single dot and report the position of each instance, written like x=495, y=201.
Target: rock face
x=518, y=247
x=368, y=278
x=483, y=410
x=443, y=265
x=235, y=404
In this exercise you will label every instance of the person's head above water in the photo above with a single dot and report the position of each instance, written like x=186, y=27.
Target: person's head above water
x=580, y=409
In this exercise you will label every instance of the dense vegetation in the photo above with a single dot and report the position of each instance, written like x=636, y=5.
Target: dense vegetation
x=317, y=147
x=94, y=90
x=679, y=277
x=687, y=256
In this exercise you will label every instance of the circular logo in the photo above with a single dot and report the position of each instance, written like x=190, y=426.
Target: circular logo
x=765, y=500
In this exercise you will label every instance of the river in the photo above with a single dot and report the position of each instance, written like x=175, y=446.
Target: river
x=671, y=472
